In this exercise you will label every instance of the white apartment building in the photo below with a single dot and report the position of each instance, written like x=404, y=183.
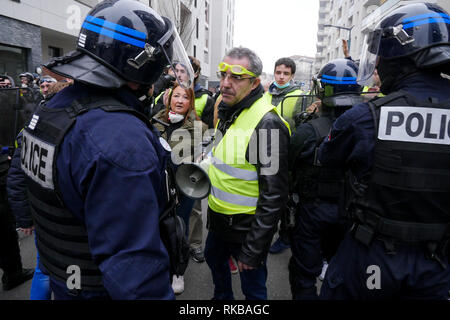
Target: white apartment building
x=222, y=35
x=305, y=70
x=35, y=31
x=351, y=19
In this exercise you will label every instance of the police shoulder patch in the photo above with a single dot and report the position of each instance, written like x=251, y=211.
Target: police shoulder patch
x=37, y=160
x=414, y=124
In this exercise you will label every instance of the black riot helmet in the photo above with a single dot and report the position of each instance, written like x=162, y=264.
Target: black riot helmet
x=336, y=84
x=123, y=41
x=410, y=38
x=27, y=75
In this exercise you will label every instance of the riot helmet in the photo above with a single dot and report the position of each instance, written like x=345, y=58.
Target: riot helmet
x=29, y=76
x=336, y=85
x=123, y=41
x=410, y=38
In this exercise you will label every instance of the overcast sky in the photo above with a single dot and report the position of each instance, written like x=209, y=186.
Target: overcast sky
x=276, y=28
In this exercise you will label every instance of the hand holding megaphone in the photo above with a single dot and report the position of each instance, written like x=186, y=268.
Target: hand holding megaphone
x=192, y=179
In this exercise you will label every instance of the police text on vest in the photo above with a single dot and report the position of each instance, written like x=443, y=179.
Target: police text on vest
x=414, y=124
x=37, y=160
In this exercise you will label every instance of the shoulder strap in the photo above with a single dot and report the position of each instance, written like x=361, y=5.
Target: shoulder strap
x=321, y=126
x=105, y=103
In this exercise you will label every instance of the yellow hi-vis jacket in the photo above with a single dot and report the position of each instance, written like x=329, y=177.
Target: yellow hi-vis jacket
x=234, y=181
x=288, y=104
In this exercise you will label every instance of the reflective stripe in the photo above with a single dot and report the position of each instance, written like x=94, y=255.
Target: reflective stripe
x=234, y=198
x=237, y=173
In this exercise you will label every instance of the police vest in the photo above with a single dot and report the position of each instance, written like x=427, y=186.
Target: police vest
x=234, y=181
x=62, y=239
x=313, y=180
x=407, y=192
x=287, y=107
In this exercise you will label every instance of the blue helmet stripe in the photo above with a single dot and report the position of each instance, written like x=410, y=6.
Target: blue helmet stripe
x=118, y=27
x=338, y=78
x=114, y=35
x=427, y=15
x=338, y=81
x=427, y=21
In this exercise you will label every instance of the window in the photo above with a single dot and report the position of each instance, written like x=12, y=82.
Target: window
x=207, y=12
x=196, y=27
x=54, y=52
x=195, y=51
x=13, y=61
x=195, y=3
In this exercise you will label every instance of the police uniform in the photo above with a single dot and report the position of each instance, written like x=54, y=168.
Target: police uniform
x=352, y=141
x=94, y=163
x=397, y=151
x=319, y=228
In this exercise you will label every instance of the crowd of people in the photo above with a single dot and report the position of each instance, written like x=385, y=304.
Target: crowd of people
x=354, y=176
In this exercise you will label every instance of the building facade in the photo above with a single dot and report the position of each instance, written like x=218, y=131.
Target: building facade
x=305, y=71
x=351, y=20
x=34, y=31
x=222, y=35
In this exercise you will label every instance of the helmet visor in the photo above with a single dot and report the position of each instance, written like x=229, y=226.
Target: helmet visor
x=180, y=63
x=368, y=61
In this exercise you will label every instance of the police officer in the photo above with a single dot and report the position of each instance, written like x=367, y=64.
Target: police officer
x=318, y=187
x=96, y=166
x=397, y=150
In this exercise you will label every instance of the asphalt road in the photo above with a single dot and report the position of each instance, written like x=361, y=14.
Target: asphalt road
x=198, y=280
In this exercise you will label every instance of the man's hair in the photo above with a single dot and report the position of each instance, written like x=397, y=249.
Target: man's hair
x=256, y=65
x=196, y=66
x=288, y=62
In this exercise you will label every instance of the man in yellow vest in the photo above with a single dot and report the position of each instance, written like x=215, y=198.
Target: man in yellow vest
x=249, y=177
x=284, y=86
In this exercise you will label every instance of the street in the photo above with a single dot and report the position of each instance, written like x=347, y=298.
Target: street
x=198, y=280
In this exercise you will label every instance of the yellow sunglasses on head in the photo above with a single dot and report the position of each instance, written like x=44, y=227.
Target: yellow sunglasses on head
x=237, y=71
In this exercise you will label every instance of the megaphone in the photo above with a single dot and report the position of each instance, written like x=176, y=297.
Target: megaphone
x=193, y=181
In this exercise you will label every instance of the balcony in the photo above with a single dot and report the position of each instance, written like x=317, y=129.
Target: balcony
x=373, y=18
x=369, y=3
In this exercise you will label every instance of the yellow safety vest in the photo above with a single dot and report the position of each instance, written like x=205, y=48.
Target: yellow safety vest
x=234, y=181
x=200, y=104
x=288, y=105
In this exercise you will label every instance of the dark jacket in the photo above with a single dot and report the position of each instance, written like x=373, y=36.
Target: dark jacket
x=17, y=190
x=255, y=232
x=110, y=172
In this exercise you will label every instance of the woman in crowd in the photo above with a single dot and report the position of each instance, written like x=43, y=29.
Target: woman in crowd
x=179, y=117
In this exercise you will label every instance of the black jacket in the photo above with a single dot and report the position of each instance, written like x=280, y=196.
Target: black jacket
x=255, y=232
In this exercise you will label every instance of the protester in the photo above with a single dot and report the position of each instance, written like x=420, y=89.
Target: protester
x=247, y=196
x=180, y=115
x=283, y=86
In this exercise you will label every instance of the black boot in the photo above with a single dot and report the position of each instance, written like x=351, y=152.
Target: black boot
x=13, y=280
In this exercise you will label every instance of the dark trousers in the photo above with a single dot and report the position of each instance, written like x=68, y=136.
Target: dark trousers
x=217, y=253
x=317, y=234
x=10, y=260
x=365, y=272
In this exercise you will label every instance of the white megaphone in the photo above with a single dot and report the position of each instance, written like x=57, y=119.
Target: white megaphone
x=192, y=179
